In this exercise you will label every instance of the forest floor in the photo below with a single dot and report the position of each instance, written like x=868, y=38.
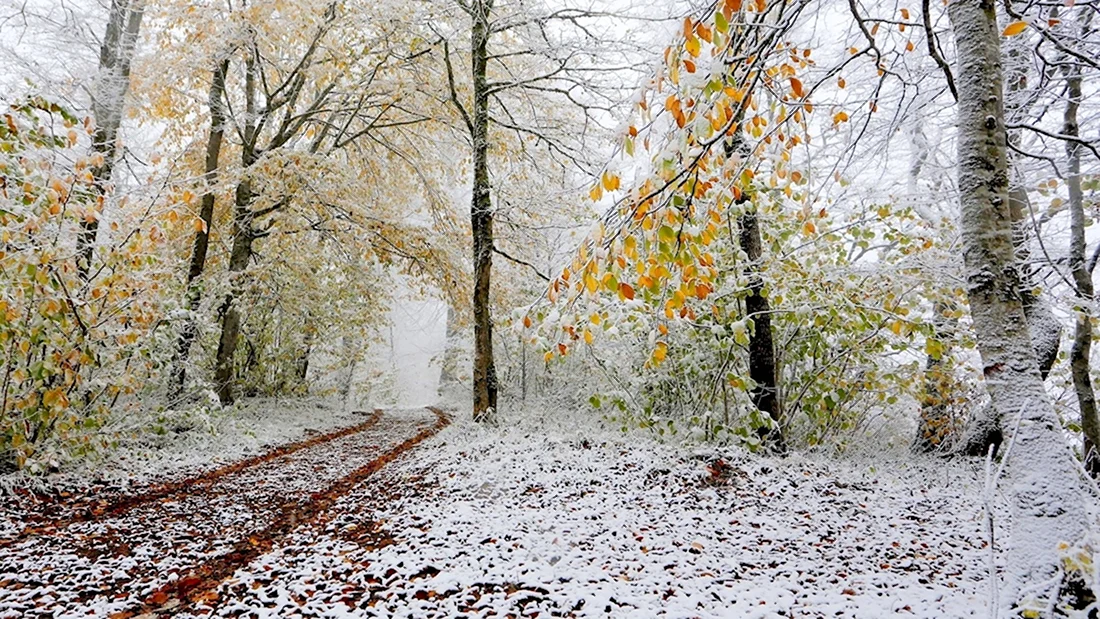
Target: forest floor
x=537, y=517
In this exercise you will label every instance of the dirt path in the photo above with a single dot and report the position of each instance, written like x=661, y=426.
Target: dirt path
x=162, y=550
x=52, y=512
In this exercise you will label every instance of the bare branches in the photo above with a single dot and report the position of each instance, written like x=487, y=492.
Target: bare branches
x=1058, y=136
x=933, y=49
x=454, y=93
x=500, y=252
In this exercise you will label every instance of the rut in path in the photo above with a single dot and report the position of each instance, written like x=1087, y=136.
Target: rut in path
x=165, y=551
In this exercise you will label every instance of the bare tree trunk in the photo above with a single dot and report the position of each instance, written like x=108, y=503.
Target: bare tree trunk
x=762, y=366
x=108, y=98
x=1045, y=328
x=239, y=258
x=481, y=219
x=243, y=236
x=201, y=244
x=987, y=426
x=1081, y=351
x=1047, y=503
x=762, y=362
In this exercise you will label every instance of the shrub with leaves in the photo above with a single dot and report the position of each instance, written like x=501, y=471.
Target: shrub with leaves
x=71, y=345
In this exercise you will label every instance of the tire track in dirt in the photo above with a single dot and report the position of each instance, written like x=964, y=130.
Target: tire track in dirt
x=175, y=597
x=178, y=546
x=116, y=506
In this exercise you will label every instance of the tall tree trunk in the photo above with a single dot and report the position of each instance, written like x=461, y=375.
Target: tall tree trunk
x=1082, y=275
x=201, y=244
x=481, y=219
x=762, y=362
x=986, y=426
x=1045, y=328
x=1047, y=496
x=243, y=236
x=116, y=54
x=762, y=366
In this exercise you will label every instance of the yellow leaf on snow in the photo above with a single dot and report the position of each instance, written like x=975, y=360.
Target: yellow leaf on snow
x=1014, y=28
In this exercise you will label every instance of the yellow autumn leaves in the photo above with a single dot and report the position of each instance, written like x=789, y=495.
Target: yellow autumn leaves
x=608, y=181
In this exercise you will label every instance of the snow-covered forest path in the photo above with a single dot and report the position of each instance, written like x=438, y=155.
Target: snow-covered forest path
x=163, y=549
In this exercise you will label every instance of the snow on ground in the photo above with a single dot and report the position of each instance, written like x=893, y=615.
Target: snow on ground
x=188, y=446
x=562, y=518
x=251, y=428
x=185, y=444
x=114, y=563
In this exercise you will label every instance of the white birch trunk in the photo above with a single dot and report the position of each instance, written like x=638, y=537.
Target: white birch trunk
x=1046, y=492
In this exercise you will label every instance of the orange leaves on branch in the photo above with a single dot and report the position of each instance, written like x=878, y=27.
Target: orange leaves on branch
x=659, y=353
x=1014, y=28
x=840, y=117
x=703, y=32
x=796, y=88
x=626, y=291
x=672, y=104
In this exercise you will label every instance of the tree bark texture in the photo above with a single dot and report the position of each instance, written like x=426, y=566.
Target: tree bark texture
x=1046, y=493
x=987, y=427
x=1045, y=328
x=1081, y=351
x=762, y=359
x=243, y=236
x=201, y=243
x=116, y=54
x=762, y=365
x=481, y=218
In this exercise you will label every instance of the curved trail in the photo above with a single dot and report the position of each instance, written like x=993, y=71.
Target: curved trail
x=49, y=521
x=172, y=548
